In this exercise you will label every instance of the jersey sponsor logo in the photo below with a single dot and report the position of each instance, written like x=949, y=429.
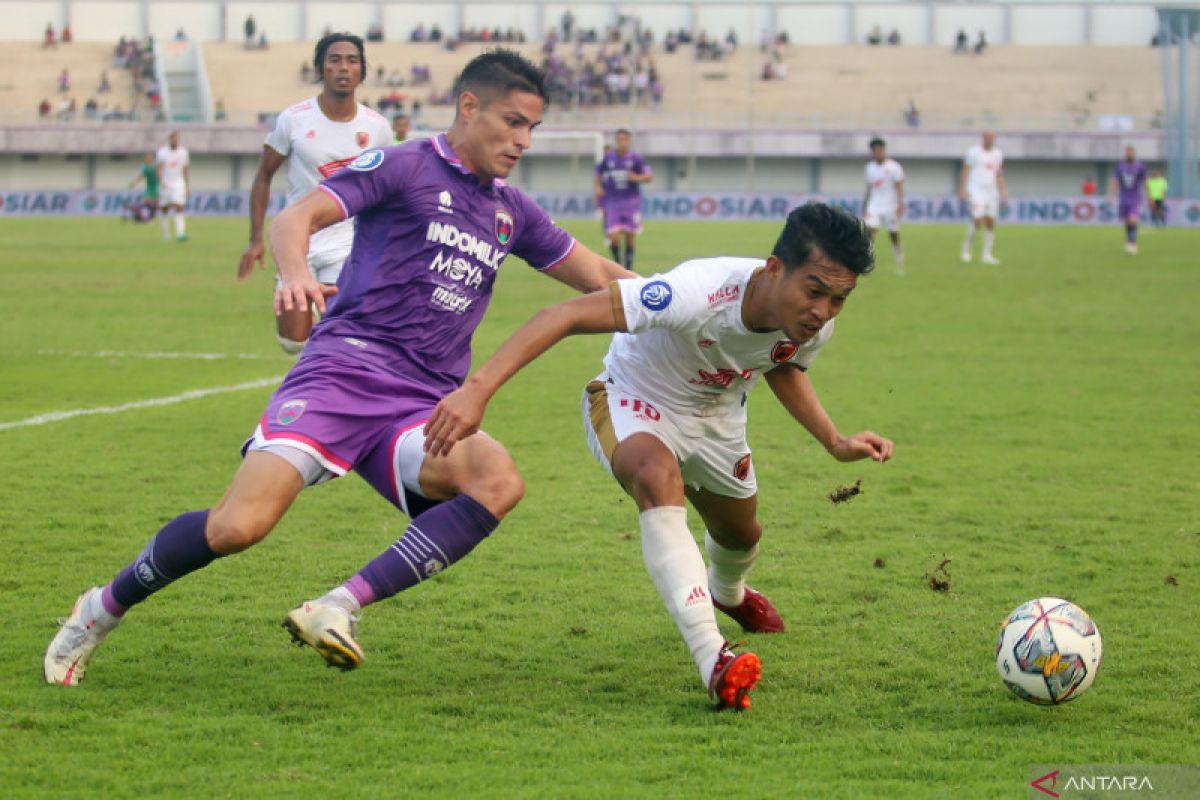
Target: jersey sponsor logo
x=656, y=295
x=334, y=167
x=445, y=201
x=722, y=377
x=362, y=137
x=726, y=294
x=466, y=243
x=457, y=268
x=290, y=411
x=741, y=470
x=641, y=409
x=448, y=299
x=368, y=161
x=503, y=226
x=783, y=351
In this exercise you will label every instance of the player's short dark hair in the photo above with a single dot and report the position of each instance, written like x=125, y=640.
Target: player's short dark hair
x=878, y=142
x=623, y=131
x=836, y=233
x=498, y=72
x=329, y=40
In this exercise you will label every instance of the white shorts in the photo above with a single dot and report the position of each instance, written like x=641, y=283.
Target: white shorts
x=325, y=266
x=711, y=451
x=876, y=219
x=173, y=194
x=984, y=204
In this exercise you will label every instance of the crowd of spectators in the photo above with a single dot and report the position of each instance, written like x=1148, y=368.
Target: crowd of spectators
x=620, y=72
x=962, y=43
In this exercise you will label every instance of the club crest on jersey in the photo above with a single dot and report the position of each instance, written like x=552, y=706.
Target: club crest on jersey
x=783, y=351
x=362, y=137
x=290, y=411
x=504, y=226
x=741, y=470
x=656, y=295
x=367, y=161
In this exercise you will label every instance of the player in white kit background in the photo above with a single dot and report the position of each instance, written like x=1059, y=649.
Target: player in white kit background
x=981, y=185
x=883, y=203
x=667, y=416
x=317, y=137
x=173, y=165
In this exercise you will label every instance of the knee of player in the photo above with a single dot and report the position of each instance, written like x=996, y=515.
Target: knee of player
x=498, y=488
x=742, y=536
x=657, y=480
x=231, y=532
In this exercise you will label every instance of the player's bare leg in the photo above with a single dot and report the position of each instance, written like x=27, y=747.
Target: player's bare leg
x=630, y=238
x=477, y=484
x=648, y=471
x=732, y=544
x=972, y=227
x=897, y=251
x=261, y=491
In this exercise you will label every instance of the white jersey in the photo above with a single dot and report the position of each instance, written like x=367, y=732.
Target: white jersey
x=882, y=178
x=317, y=147
x=687, y=349
x=172, y=163
x=983, y=166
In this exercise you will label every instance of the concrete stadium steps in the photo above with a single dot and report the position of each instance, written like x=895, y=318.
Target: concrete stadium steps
x=31, y=75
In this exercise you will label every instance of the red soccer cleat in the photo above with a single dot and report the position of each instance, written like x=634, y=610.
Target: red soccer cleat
x=732, y=679
x=755, y=614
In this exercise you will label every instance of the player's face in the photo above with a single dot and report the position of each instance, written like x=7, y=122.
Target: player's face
x=879, y=153
x=341, y=68
x=1130, y=154
x=623, y=141
x=809, y=296
x=173, y=140
x=989, y=139
x=400, y=127
x=498, y=133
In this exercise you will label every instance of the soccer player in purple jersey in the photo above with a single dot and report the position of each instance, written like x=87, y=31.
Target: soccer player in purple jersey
x=435, y=220
x=618, y=188
x=1129, y=182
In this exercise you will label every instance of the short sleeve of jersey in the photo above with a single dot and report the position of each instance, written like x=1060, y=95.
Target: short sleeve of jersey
x=280, y=137
x=375, y=176
x=600, y=167
x=673, y=300
x=897, y=172
x=536, y=237
x=640, y=167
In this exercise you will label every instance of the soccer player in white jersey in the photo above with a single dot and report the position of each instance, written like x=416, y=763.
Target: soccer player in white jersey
x=173, y=163
x=317, y=137
x=981, y=184
x=883, y=203
x=667, y=417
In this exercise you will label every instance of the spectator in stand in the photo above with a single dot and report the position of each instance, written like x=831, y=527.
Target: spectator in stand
x=435, y=33
x=44, y=108
x=262, y=40
x=875, y=36
x=894, y=37
x=375, y=32
x=981, y=43
x=306, y=73
x=105, y=87
x=962, y=42
x=64, y=81
x=219, y=113
x=1089, y=186
x=250, y=27
x=91, y=109
x=66, y=37
x=49, y=39
x=731, y=40
x=912, y=117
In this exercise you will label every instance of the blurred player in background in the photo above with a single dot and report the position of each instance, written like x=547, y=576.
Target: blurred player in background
x=1156, y=190
x=148, y=174
x=435, y=221
x=173, y=171
x=667, y=417
x=981, y=185
x=1129, y=184
x=618, y=188
x=883, y=203
x=317, y=138
x=401, y=125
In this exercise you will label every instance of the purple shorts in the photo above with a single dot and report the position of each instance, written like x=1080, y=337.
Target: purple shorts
x=1129, y=207
x=348, y=415
x=623, y=216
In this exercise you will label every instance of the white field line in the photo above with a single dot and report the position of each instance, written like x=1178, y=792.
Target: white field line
x=57, y=416
x=131, y=354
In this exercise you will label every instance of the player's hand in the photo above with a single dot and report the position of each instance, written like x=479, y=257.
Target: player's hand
x=455, y=418
x=301, y=294
x=599, y=195
x=254, y=252
x=866, y=444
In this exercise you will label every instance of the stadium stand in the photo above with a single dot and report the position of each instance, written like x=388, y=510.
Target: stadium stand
x=32, y=76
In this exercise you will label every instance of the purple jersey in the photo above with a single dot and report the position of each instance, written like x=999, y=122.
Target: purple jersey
x=427, y=245
x=1131, y=178
x=614, y=170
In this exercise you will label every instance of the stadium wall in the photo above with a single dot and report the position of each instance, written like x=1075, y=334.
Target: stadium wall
x=1121, y=22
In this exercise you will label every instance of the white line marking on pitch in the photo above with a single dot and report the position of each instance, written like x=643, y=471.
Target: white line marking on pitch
x=131, y=354
x=56, y=416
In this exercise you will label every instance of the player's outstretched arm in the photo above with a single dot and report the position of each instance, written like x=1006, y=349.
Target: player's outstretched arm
x=459, y=413
x=962, y=181
x=796, y=393
x=289, y=234
x=260, y=197
x=588, y=271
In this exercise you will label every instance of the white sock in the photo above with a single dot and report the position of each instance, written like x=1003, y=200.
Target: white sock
x=180, y=225
x=970, y=238
x=162, y=219
x=677, y=568
x=898, y=252
x=342, y=598
x=95, y=610
x=727, y=571
x=988, y=238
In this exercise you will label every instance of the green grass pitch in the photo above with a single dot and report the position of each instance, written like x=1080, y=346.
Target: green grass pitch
x=1045, y=416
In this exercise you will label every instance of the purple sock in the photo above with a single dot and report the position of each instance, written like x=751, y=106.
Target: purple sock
x=433, y=541
x=176, y=550
x=1131, y=233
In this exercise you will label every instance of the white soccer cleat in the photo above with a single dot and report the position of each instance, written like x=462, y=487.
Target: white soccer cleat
x=72, y=647
x=965, y=255
x=1131, y=248
x=328, y=629
x=990, y=259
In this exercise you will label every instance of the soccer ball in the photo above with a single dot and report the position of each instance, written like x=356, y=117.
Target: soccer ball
x=1048, y=651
